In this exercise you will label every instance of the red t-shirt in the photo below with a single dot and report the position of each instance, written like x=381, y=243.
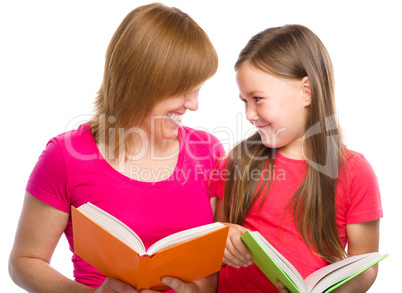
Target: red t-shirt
x=357, y=198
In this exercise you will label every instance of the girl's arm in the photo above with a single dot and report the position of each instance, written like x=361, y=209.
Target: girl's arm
x=362, y=238
x=39, y=230
x=236, y=253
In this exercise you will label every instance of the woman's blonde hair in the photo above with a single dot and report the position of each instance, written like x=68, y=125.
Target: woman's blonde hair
x=157, y=52
x=294, y=52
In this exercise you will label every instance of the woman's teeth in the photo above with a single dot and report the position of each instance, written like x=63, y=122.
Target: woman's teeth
x=175, y=117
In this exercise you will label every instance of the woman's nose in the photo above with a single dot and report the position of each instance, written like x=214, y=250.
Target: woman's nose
x=191, y=102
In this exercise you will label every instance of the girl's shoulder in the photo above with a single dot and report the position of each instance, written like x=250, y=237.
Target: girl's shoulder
x=353, y=161
x=359, y=189
x=356, y=168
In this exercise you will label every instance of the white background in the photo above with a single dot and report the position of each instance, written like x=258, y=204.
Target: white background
x=52, y=55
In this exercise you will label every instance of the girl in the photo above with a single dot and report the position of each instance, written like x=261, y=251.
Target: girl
x=294, y=180
x=134, y=159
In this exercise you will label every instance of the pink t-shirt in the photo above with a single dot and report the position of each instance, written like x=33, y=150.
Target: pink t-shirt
x=71, y=171
x=357, y=198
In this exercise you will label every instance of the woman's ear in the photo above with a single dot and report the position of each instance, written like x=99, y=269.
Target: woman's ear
x=306, y=91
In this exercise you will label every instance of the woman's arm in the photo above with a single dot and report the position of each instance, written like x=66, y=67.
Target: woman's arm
x=39, y=230
x=362, y=238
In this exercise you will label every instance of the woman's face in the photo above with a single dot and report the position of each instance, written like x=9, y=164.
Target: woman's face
x=164, y=120
x=277, y=107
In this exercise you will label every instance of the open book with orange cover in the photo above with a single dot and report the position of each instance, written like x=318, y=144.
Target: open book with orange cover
x=116, y=251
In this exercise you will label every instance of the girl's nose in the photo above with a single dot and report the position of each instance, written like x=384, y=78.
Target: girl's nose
x=251, y=113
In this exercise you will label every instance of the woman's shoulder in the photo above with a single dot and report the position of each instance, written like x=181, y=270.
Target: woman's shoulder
x=80, y=132
x=78, y=143
x=197, y=134
x=200, y=141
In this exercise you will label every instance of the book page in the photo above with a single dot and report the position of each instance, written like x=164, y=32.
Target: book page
x=182, y=236
x=327, y=276
x=113, y=226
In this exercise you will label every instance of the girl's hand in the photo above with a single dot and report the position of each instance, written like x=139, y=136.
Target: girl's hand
x=281, y=288
x=236, y=253
x=112, y=285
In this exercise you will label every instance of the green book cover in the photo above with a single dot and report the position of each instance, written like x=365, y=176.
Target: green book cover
x=354, y=275
x=266, y=264
x=276, y=267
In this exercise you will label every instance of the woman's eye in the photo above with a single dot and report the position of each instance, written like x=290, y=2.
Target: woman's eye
x=244, y=101
x=257, y=98
x=194, y=92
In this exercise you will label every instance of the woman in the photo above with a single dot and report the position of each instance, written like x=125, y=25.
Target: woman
x=133, y=159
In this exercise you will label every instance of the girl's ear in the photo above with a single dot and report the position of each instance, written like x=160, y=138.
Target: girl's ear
x=306, y=91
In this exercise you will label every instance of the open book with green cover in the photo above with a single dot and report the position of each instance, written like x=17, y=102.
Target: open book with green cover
x=326, y=279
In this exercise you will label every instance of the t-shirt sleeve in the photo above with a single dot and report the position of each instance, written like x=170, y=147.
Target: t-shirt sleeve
x=363, y=196
x=48, y=181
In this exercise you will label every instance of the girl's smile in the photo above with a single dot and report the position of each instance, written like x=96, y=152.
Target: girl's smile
x=276, y=106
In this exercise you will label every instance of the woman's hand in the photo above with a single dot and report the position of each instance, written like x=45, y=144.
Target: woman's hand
x=203, y=285
x=112, y=285
x=236, y=253
x=177, y=285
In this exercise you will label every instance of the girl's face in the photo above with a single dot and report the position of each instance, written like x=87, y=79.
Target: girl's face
x=165, y=118
x=277, y=107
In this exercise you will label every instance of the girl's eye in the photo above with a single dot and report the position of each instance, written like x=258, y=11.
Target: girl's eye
x=244, y=101
x=257, y=98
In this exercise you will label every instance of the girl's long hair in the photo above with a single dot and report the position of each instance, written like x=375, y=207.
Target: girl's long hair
x=294, y=52
x=157, y=52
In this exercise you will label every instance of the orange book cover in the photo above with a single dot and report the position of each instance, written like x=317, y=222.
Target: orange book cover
x=188, y=261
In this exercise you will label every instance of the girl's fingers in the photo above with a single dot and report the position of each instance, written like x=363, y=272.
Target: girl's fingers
x=236, y=253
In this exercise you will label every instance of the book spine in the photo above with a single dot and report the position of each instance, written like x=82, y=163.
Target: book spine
x=144, y=273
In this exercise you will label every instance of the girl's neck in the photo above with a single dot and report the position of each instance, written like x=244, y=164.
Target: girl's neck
x=293, y=150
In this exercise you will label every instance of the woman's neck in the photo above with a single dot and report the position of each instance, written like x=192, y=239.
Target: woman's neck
x=158, y=149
